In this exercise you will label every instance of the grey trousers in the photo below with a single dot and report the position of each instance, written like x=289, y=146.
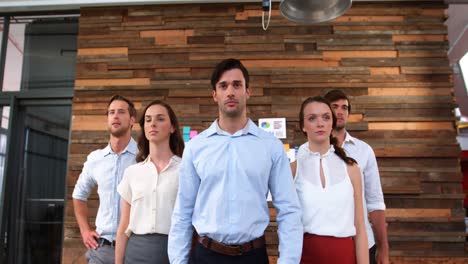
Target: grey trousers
x=102, y=255
x=149, y=248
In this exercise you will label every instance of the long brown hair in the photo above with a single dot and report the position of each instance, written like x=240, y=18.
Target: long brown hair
x=333, y=140
x=175, y=140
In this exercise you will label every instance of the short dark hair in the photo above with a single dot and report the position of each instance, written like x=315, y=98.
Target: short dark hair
x=335, y=95
x=227, y=65
x=176, y=143
x=131, y=106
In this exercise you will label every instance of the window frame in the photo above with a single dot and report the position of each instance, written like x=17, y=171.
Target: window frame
x=16, y=99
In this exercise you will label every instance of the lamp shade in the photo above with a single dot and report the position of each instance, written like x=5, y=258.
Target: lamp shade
x=313, y=11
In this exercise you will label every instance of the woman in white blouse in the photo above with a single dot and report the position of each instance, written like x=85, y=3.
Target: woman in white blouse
x=328, y=185
x=149, y=188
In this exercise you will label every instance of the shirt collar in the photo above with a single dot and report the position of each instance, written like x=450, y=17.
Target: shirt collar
x=317, y=154
x=148, y=159
x=131, y=148
x=174, y=160
x=249, y=128
x=349, y=139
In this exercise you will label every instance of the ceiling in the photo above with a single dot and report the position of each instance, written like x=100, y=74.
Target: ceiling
x=47, y=5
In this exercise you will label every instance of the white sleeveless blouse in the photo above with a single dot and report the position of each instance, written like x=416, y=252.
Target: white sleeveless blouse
x=329, y=210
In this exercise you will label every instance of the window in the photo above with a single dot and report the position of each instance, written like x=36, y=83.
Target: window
x=14, y=58
x=37, y=41
x=463, y=63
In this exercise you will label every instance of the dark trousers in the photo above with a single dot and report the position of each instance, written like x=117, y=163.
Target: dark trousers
x=202, y=255
x=372, y=254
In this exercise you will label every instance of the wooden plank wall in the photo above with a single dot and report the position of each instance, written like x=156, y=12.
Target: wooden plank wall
x=390, y=57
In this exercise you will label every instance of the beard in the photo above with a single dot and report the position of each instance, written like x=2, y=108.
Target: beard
x=339, y=127
x=119, y=132
x=234, y=113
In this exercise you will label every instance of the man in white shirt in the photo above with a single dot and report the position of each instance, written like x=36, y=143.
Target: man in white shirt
x=372, y=191
x=104, y=169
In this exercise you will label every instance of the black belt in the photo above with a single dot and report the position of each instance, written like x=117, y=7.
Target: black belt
x=102, y=241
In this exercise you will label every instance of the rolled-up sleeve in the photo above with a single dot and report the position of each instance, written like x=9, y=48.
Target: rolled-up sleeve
x=373, y=188
x=286, y=202
x=181, y=232
x=85, y=182
x=124, y=187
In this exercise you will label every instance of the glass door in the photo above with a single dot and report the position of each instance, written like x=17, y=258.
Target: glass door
x=36, y=181
x=4, y=125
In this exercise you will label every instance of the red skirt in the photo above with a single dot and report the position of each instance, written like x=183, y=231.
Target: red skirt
x=328, y=250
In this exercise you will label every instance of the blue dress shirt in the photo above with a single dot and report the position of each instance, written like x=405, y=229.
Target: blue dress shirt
x=223, y=187
x=104, y=168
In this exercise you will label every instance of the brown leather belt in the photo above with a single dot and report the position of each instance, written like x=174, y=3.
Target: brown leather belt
x=231, y=250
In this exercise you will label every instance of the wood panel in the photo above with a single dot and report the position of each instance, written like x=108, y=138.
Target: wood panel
x=390, y=57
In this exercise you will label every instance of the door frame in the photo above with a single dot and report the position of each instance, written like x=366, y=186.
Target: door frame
x=13, y=173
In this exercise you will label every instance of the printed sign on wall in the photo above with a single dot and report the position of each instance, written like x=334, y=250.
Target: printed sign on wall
x=275, y=126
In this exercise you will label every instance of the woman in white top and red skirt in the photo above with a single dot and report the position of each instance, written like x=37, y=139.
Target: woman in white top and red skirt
x=329, y=188
x=149, y=189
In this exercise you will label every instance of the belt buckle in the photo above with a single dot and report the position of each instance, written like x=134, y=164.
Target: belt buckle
x=240, y=250
x=101, y=242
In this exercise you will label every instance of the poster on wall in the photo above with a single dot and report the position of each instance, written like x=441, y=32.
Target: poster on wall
x=275, y=126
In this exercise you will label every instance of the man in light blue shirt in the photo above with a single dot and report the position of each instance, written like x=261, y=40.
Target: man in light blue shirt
x=226, y=173
x=104, y=169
